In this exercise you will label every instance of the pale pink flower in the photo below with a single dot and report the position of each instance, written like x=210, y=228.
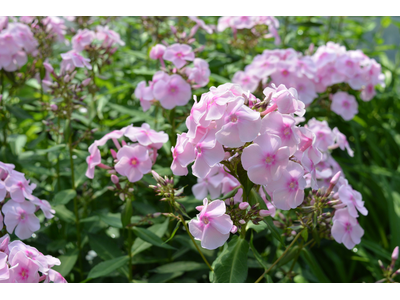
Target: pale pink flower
x=157, y=51
x=3, y=23
x=172, y=92
x=23, y=36
x=200, y=73
x=178, y=54
x=183, y=154
x=246, y=81
x=147, y=136
x=211, y=184
x=201, y=24
x=17, y=60
x=23, y=269
x=241, y=125
x=144, y=94
x=286, y=100
x=353, y=200
x=21, y=217
x=368, y=92
x=289, y=188
x=264, y=159
x=271, y=208
x=5, y=170
x=82, y=39
x=92, y=160
x=341, y=141
x=72, y=59
x=4, y=271
x=324, y=136
x=108, y=36
x=212, y=226
x=19, y=187
x=3, y=192
x=45, y=207
x=344, y=105
x=133, y=162
x=55, y=25
x=346, y=229
x=54, y=277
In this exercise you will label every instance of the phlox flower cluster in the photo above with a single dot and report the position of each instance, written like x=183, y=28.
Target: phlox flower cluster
x=331, y=64
x=348, y=202
x=250, y=22
x=18, y=204
x=173, y=87
x=16, y=42
x=20, y=263
x=132, y=159
x=85, y=38
x=55, y=26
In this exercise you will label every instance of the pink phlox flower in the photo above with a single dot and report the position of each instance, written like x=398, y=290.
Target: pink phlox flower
x=45, y=207
x=246, y=81
x=200, y=73
x=23, y=269
x=17, y=60
x=144, y=94
x=201, y=24
x=306, y=89
x=8, y=43
x=183, y=154
x=55, y=25
x=108, y=36
x=18, y=187
x=3, y=191
x=282, y=126
x=115, y=134
x=208, y=152
x=82, y=39
x=289, y=188
x=209, y=185
x=55, y=277
x=178, y=54
x=157, y=51
x=21, y=217
x=5, y=170
x=349, y=63
x=341, y=141
x=346, y=229
x=286, y=100
x=147, y=136
x=92, y=160
x=174, y=91
x=311, y=157
x=368, y=92
x=242, y=124
x=212, y=226
x=323, y=133
x=23, y=36
x=4, y=242
x=3, y=22
x=72, y=59
x=133, y=162
x=265, y=158
x=223, y=23
x=344, y=105
x=353, y=200
x=4, y=270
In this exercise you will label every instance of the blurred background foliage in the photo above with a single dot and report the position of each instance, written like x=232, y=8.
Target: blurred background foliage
x=374, y=135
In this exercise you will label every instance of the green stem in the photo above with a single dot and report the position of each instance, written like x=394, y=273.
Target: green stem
x=282, y=256
x=77, y=221
x=130, y=254
x=194, y=243
x=58, y=156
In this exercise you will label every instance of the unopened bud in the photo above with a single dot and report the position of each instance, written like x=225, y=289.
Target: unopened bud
x=53, y=107
x=47, y=82
x=122, y=196
x=113, y=153
x=243, y=205
x=48, y=67
x=200, y=207
x=86, y=81
x=242, y=222
x=130, y=190
x=158, y=178
x=157, y=214
x=264, y=213
x=113, y=50
x=73, y=75
x=381, y=264
x=114, y=179
x=67, y=78
x=395, y=254
x=335, y=178
x=234, y=229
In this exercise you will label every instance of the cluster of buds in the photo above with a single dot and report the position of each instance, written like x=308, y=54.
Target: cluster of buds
x=388, y=272
x=243, y=213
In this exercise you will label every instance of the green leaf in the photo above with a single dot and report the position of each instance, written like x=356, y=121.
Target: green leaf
x=140, y=245
x=106, y=267
x=127, y=213
x=63, y=197
x=104, y=246
x=231, y=264
x=269, y=279
x=244, y=180
x=257, y=255
x=64, y=214
x=150, y=237
x=113, y=220
x=173, y=233
x=230, y=194
x=18, y=112
x=314, y=266
x=275, y=232
x=164, y=277
x=181, y=266
x=67, y=263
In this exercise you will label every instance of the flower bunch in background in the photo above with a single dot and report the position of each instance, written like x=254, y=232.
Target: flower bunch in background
x=20, y=263
x=18, y=204
x=172, y=86
x=331, y=69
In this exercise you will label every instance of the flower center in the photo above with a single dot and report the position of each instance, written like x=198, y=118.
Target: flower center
x=348, y=227
x=269, y=160
x=198, y=148
x=173, y=90
x=293, y=185
x=346, y=104
x=24, y=273
x=134, y=161
x=22, y=216
x=349, y=63
x=233, y=118
x=285, y=73
x=179, y=54
x=286, y=131
x=205, y=220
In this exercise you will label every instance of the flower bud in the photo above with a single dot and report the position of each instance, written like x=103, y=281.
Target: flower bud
x=114, y=179
x=53, y=107
x=243, y=205
x=158, y=178
x=335, y=178
x=47, y=82
x=264, y=213
x=242, y=222
x=234, y=229
x=157, y=51
x=86, y=81
x=67, y=78
x=381, y=264
x=157, y=214
x=200, y=207
x=395, y=254
x=48, y=67
x=122, y=196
